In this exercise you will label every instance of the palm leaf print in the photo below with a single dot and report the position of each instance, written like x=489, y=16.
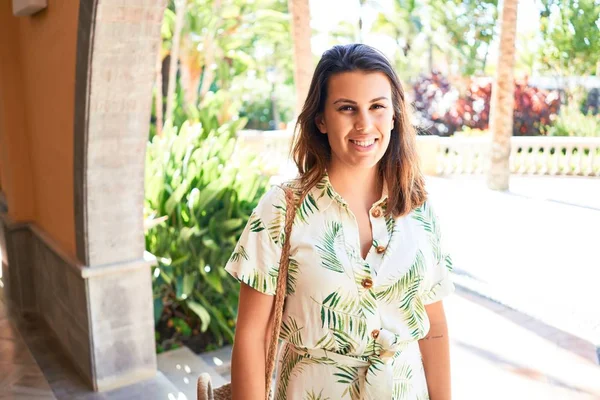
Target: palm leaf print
x=276, y=225
x=372, y=351
x=343, y=314
x=329, y=258
x=308, y=207
x=415, y=315
x=313, y=396
x=405, y=293
x=361, y=268
x=337, y=341
x=289, y=360
x=396, y=291
x=428, y=220
x=349, y=376
x=239, y=253
x=390, y=224
x=291, y=332
x=256, y=224
x=265, y=282
x=292, y=277
x=402, y=381
x=291, y=363
x=326, y=190
x=373, y=348
x=368, y=300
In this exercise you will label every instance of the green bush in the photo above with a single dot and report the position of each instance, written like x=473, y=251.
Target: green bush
x=572, y=122
x=198, y=200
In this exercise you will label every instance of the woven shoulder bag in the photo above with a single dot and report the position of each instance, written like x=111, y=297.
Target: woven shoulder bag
x=205, y=390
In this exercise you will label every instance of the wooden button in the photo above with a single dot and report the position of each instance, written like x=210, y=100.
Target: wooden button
x=375, y=334
x=376, y=213
x=367, y=283
x=381, y=249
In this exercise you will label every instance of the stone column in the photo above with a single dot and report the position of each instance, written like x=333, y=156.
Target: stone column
x=116, y=53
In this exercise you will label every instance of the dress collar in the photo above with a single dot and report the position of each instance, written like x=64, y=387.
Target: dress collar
x=324, y=193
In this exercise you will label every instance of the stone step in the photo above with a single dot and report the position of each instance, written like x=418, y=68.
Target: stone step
x=182, y=367
x=219, y=360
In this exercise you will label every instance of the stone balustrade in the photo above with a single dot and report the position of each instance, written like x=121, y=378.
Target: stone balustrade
x=535, y=155
x=530, y=155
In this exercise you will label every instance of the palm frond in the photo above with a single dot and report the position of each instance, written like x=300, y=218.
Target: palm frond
x=343, y=313
x=414, y=314
x=276, y=225
x=448, y=262
x=396, y=291
x=308, y=207
x=349, y=376
x=337, y=341
x=291, y=332
x=326, y=190
x=372, y=351
x=428, y=220
x=368, y=300
x=293, y=363
x=390, y=224
x=256, y=224
x=239, y=253
x=327, y=248
x=264, y=282
x=292, y=277
x=402, y=385
x=313, y=396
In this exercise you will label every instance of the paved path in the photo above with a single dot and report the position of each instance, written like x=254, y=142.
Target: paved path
x=500, y=354
x=535, y=248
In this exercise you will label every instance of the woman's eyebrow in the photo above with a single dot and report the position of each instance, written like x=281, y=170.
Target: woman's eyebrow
x=342, y=100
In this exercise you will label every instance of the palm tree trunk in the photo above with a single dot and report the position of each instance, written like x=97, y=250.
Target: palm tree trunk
x=190, y=72
x=209, y=56
x=158, y=95
x=501, y=118
x=303, y=63
x=180, y=7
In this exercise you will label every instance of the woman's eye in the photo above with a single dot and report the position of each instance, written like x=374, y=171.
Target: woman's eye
x=377, y=106
x=346, y=108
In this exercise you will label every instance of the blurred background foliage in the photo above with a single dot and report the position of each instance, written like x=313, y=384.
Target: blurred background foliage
x=228, y=65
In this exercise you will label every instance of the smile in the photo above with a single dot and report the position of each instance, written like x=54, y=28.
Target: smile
x=366, y=143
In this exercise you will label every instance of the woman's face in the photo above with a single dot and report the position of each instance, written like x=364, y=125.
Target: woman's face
x=357, y=118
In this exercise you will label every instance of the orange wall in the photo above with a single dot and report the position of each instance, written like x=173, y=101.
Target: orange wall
x=44, y=57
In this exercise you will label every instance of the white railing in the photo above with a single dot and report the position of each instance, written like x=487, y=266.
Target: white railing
x=530, y=155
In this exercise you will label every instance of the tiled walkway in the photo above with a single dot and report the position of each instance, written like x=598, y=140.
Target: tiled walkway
x=20, y=375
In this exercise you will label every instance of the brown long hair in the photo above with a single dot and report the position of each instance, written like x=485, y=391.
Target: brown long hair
x=399, y=165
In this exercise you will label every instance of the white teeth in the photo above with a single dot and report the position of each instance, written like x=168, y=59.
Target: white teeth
x=364, y=144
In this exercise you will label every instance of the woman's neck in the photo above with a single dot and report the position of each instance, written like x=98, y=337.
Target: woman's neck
x=358, y=186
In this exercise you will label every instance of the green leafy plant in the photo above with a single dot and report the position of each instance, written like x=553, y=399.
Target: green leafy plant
x=200, y=193
x=572, y=122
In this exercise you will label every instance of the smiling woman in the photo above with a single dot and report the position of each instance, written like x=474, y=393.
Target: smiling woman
x=367, y=269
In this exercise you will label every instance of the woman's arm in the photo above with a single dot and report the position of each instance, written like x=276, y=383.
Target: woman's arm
x=253, y=330
x=435, y=350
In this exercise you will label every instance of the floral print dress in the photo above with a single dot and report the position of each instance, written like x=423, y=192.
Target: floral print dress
x=350, y=326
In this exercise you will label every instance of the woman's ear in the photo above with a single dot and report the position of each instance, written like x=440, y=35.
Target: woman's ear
x=320, y=122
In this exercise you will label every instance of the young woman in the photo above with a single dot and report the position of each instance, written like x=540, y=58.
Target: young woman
x=363, y=317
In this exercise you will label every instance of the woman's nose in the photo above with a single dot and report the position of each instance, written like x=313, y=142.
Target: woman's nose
x=363, y=122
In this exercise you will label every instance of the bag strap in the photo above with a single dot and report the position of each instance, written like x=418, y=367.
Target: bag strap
x=284, y=263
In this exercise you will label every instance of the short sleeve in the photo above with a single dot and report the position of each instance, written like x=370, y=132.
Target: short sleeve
x=255, y=260
x=437, y=282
